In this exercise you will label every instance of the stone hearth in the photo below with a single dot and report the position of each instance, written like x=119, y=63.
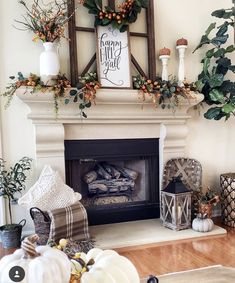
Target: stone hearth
x=118, y=114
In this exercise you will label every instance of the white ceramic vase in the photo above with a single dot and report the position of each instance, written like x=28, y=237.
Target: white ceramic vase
x=49, y=63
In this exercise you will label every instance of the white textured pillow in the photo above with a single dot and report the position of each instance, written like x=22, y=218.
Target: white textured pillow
x=49, y=192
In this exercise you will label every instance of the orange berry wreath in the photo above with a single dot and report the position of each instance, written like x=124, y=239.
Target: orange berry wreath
x=120, y=19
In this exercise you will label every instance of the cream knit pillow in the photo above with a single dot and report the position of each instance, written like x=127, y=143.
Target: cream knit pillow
x=49, y=192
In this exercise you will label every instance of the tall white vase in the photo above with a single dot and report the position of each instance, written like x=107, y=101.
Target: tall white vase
x=49, y=63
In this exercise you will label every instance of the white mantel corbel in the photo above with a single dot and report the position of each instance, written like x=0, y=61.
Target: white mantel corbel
x=116, y=114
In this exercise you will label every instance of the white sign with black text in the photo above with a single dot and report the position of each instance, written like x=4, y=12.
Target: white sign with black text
x=113, y=57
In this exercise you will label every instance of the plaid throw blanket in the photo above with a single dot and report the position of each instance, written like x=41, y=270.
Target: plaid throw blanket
x=69, y=222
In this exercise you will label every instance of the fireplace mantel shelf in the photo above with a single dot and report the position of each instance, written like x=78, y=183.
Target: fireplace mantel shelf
x=111, y=105
x=117, y=114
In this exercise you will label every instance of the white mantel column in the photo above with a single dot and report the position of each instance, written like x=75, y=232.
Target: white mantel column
x=50, y=146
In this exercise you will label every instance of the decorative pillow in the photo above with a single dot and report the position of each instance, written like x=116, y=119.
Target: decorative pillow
x=49, y=192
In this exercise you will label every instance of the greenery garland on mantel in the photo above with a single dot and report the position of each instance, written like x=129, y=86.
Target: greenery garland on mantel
x=121, y=19
x=163, y=93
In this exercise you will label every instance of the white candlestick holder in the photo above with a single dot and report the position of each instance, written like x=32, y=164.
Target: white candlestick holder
x=164, y=59
x=181, y=70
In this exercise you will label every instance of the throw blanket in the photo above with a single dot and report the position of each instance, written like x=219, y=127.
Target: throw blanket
x=69, y=222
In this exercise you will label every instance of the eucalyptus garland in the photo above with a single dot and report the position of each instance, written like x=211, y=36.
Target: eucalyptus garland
x=127, y=13
x=164, y=93
x=85, y=93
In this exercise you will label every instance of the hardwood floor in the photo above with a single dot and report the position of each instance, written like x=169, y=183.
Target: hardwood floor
x=183, y=255
x=179, y=255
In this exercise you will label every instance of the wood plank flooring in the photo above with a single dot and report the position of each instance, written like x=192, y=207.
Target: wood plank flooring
x=183, y=255
x=179, y=255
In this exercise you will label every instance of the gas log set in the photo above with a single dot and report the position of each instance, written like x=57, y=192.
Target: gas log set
x=107, y=179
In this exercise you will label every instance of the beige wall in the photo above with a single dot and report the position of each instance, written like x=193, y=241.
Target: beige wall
x=212, y=143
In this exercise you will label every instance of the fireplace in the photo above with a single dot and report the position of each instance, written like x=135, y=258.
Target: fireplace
x=118, y=178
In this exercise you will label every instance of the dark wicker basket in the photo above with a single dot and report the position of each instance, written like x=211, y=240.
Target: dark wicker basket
x=42, y=224
x=227, y=182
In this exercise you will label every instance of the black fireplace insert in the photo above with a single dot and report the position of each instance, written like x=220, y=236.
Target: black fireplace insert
x=118, y=178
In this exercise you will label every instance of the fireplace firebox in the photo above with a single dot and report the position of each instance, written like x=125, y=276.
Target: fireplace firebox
x=118, y=178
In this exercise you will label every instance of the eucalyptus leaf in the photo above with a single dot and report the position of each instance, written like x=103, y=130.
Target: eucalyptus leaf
x=81, y=106
x=81, y=95
x=219, y=53
x=216, y=80
x=73, y=92
x=210, y=28
x=218, y=13
x=206, y=65
x=222, y=30
x=230, y=49
x=217, y=95
x=105, y=21
x=204, y=40
x=75, y=99
x=218, y=40
x=88, y=104
x=199, y=85
x=225, y=62
x=210, y=53
x=228, y=108
x=84, y=114
x=212, y=113
x=123, y=28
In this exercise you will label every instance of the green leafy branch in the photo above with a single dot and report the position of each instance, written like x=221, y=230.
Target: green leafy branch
x=212, y=81
x=13, y=180
x=85, y=93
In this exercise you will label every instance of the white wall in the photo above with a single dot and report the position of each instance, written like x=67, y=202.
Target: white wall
x=209, y=142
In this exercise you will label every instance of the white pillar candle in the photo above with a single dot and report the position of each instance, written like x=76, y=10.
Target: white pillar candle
x=176, y=214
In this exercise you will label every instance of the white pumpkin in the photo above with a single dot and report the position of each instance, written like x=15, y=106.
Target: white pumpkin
x=41, y=264
x=109, y=267
x=202, y=224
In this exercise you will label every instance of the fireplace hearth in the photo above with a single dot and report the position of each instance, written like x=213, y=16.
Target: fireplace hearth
x=118, y=178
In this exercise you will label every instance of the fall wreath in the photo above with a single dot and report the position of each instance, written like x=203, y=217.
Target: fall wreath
x=127, y=13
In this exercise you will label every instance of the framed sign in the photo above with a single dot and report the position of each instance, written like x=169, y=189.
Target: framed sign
x=113, y=57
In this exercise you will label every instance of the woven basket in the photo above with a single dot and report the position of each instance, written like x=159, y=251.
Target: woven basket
x=42, y=224
x=227, y=182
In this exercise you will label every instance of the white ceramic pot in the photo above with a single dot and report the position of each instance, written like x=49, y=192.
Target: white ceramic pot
x=49, y=63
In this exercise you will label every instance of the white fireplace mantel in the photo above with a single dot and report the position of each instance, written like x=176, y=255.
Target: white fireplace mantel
x=116, y=114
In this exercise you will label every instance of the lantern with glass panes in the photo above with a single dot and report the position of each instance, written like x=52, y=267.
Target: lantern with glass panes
x=176, y=205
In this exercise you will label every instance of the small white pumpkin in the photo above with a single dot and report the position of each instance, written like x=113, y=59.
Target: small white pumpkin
x=41, y=264
x=202, y=223
x=109, y=267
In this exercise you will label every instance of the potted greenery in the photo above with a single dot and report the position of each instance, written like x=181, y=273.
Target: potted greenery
x=12, y=181
x=207, y=200
x=213, y=81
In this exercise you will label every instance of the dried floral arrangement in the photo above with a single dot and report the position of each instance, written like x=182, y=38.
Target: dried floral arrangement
x=46, y=21
x=127, y=14
x=164, y=93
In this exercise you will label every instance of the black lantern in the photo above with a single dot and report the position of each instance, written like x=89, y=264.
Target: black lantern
x=176, y=205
